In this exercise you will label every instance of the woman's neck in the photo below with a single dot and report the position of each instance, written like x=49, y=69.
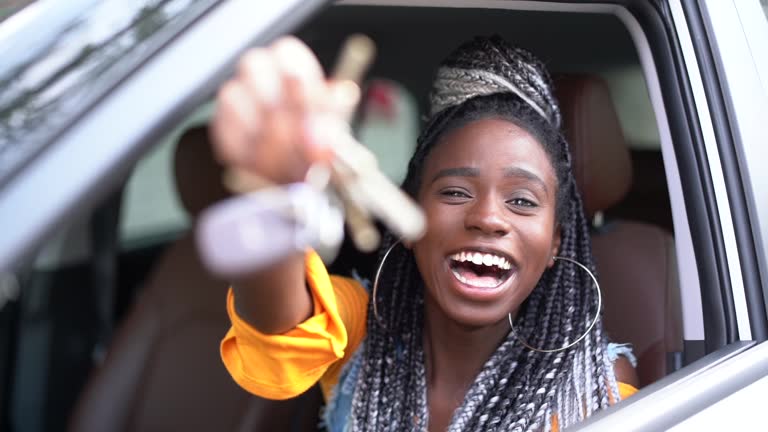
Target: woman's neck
x=455, y=353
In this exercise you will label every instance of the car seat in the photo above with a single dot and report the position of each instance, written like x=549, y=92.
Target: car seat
x=635, y=261
x=163, y=370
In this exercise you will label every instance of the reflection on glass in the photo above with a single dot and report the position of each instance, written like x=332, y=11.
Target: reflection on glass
x=65, y=56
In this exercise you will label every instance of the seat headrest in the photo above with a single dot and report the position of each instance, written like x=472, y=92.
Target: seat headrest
x=198, y=173
x=601, y=159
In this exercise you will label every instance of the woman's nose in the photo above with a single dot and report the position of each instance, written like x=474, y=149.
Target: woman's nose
x=488, y=215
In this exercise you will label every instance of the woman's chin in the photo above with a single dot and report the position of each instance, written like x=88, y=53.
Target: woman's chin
x=472, y=315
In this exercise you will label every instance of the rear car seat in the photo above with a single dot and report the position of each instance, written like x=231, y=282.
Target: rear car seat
x=635, y=261
x=163, y=371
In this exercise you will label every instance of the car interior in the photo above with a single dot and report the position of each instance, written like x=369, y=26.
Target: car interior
x=118, y=323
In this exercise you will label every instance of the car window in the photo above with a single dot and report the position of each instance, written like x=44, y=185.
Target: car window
x=389, y=126
x=150, y=209
x=630, y=95
x=49, y=78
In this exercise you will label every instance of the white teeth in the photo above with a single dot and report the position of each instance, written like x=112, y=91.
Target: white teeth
x=482, y=259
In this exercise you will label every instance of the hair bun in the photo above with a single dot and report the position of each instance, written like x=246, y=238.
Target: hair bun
x=488, y=65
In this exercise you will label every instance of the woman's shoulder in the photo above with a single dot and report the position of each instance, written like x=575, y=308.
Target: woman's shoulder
x=624, y=363
x=625, y=372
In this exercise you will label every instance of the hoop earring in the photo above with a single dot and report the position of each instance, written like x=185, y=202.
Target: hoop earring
x=594, y=320
x=376, y=284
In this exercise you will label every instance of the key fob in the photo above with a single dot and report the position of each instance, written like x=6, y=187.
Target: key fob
x=252, y=231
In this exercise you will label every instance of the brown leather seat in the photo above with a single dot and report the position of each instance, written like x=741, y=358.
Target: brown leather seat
x=163, y=371
x=635, y=261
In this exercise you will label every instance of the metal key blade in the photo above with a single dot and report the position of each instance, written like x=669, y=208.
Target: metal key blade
x=364, y=190
x=369, y=188
x=356, y=56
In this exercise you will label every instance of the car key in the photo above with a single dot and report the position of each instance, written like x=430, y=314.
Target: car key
x=365, y=191
x=267, y=222
x=251, y=231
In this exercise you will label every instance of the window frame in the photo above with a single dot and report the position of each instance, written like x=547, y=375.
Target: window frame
x=740, y=66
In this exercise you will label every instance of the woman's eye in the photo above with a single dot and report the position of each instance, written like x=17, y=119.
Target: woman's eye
x=454, y=193
x=521, y=202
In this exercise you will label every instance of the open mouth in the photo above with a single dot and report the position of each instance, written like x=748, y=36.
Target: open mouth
x=479, y=269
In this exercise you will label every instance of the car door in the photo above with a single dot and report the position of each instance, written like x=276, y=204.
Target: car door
x=704, y=100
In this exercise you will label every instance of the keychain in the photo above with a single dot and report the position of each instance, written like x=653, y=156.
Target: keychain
x=266, y=223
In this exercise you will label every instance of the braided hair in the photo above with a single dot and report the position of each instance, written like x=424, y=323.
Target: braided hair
x=517, y=389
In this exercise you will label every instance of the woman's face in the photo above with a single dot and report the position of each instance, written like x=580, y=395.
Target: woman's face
x=489, y=193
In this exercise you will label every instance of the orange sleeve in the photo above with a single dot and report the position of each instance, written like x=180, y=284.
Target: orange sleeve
x=352, y=300
x=285, y=365
x=626, y=390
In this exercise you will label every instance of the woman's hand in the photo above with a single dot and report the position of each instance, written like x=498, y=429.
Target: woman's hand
x=266, y=120
x=266, y=124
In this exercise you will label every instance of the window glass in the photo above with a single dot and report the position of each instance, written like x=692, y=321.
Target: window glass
x=633, y=106
x=151, y=209
x=150, y=206
x=390, y=126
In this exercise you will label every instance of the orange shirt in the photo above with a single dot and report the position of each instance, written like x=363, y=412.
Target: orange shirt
x=286, y=365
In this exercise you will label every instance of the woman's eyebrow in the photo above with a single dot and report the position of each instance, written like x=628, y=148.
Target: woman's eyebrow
x=524, y=173
x=456, y=172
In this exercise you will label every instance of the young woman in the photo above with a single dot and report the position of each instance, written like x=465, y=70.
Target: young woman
x=488, y=322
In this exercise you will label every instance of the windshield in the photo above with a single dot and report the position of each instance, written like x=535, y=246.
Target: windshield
x=61, y=57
